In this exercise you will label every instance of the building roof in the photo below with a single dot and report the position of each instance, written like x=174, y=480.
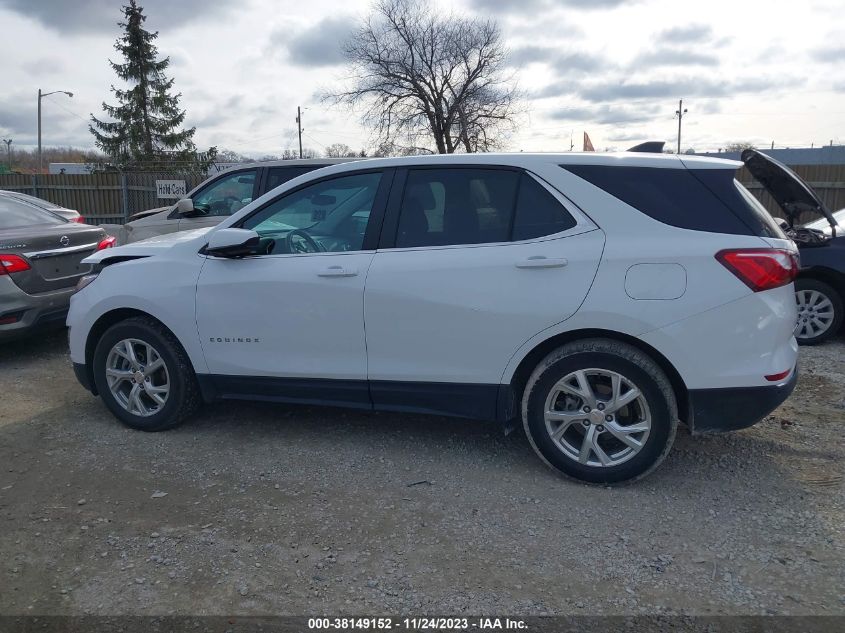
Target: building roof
x=826, y=155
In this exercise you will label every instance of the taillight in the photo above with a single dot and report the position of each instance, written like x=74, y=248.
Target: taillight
x=107, y=242
x=79, y=219
x=760, y=268
x=12, y=264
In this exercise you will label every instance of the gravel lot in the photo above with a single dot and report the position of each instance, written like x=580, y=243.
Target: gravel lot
x=258, y=509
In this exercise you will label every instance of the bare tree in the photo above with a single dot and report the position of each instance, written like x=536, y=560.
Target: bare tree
x=340, y=150
x=428, y=80
x=739, y=146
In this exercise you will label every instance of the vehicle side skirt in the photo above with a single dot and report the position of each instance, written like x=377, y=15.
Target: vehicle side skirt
x=474, y=401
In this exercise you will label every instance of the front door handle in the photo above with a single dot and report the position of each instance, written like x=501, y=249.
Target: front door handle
x=539, y=261
x=337, y=271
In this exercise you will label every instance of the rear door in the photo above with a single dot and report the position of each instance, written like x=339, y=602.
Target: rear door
x=473, y=262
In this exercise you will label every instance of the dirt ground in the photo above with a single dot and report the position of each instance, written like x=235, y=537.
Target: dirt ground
x=259, y=509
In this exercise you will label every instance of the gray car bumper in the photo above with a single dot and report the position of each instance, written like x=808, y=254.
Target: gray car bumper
x=22, y=313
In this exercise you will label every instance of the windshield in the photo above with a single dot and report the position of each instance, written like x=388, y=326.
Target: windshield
x=823, y=225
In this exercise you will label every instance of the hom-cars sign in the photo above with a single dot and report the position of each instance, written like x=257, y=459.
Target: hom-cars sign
x=174, y=189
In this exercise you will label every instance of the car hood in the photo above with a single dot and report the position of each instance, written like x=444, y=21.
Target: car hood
x=787, y=188
x=149, y=247
x=151, y=216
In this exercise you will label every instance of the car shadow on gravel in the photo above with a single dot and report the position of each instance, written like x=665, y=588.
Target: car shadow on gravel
x=37, y=345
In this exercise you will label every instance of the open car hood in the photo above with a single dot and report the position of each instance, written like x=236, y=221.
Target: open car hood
x=785, y=186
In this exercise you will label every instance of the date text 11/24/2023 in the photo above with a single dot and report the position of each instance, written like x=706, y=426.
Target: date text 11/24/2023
x=417, y=624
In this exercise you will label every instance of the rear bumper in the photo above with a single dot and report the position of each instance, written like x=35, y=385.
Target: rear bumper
x=30, y=313
x=729, y=409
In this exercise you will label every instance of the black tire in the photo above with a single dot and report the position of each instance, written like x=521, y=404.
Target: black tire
x=183, y=398
x=634, y=366
x=803, y=284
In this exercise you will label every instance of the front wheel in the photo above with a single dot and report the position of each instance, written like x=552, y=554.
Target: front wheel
x=144, y=376
x=820, y=311
x=600, y=411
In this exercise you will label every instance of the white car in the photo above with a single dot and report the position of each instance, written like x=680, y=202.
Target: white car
x=596, y=298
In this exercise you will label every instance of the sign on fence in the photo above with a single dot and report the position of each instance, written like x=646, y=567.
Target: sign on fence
x=171, y=189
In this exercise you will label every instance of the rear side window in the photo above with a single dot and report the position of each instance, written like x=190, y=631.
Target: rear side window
x=279, y=175
x=443, y=207
x=14, y=214
x=700, y=200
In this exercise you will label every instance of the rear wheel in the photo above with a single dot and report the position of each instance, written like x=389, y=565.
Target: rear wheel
x=144, y=376
x=600, y=411
x=820, y=311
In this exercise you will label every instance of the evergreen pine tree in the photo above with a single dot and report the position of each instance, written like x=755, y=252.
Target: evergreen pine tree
x=145, y=131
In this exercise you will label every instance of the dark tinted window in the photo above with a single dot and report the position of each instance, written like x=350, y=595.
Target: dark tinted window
x=538, y=213
x=279, y=175
x=701, y=200
x=15, y=214
x=456, y=206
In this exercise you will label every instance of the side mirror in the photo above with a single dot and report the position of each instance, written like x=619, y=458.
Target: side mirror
x=185, y=207
x=232, y=243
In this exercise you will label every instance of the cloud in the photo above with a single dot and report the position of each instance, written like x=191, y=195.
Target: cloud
x=45, y=66
x=499, y=7
x=60, y=127
x=666, y=56
x=607, y=114
x=87, y=16
x=565, y=62
x=317, y=45
x=626, y=136
x=688, y=34
x=682, y=87
x=832, y=53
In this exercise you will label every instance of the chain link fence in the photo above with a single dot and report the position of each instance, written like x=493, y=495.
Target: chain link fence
x=105, y=198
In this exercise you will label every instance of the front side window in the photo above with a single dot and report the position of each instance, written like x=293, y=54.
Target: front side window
x=443, y=207
x=328, y=216
x=227, y=194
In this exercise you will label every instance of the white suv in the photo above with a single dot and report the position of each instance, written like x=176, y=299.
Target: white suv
x=598, y=298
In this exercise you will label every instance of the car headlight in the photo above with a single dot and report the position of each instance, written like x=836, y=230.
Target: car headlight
x=85, y=280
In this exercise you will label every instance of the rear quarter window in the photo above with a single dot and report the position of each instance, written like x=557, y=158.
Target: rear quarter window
x=700, y=200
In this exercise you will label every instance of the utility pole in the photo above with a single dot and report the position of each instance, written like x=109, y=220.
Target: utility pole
x=8, y=143
x=40, y=95
x=299, y=127
x=680, y=112
x=39, y=130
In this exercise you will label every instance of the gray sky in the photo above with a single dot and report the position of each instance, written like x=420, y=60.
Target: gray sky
x=749, y=70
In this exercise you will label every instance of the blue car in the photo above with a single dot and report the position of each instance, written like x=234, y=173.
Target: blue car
x=820, y=287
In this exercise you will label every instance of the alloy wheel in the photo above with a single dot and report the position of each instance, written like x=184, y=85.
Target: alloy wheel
x=137, y=377
x=597, y=417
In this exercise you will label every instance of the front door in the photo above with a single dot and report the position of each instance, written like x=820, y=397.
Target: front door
x=289, y=324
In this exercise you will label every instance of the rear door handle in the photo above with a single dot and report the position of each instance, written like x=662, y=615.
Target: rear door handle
x=539, y=261
x=337, y=271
